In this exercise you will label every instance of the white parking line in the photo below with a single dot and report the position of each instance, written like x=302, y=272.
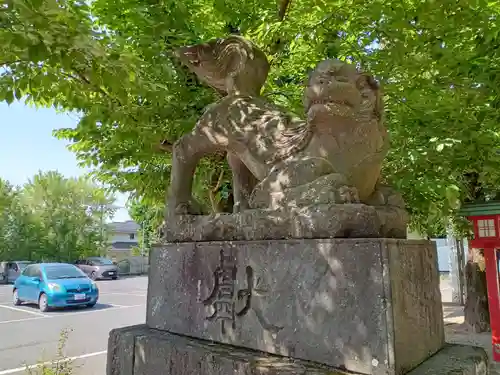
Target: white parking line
x=115, y=305
x=22, y=320
x=135, y=294
x=22, y=310
x=32, y=367
x=63, y=314
x=113, y=308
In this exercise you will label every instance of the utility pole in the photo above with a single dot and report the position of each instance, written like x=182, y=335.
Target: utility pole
x=143, y=239
x=101, y=227
x=457, y=295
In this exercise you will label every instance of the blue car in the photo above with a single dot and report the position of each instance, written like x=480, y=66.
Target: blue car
x=54, y=285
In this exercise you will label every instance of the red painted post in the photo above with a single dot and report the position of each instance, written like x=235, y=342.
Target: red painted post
x=491, y=261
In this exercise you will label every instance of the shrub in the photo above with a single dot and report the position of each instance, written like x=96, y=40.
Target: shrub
x=62, y=365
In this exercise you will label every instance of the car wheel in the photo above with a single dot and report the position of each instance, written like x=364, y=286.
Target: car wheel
x=115, y=277
x=43, y=304
x=93, y=275
x=15, y=298
x=90, y=305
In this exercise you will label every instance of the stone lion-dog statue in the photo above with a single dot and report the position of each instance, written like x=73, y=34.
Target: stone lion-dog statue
x=279, y=160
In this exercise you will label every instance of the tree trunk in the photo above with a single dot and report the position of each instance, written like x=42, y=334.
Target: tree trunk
x=476, y=311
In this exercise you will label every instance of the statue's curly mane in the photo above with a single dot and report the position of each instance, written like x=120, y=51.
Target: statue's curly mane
x=376, y=110
x=367, y=86
x=291, y=140
x=295, y=137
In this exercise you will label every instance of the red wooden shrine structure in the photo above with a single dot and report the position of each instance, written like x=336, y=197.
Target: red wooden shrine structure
x=486, y=220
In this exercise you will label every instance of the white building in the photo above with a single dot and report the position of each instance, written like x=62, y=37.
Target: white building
x=122, y=238
x=443, y=251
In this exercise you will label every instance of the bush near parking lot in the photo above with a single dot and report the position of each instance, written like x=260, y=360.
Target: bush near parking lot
x=62, y=365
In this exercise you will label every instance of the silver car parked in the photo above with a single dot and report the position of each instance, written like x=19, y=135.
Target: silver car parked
x=98, y=268
x=10, y=271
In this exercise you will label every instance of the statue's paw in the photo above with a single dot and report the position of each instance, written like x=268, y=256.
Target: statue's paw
x=240, y=207
x=182, y=209
x=348, y=194
x=186, y=208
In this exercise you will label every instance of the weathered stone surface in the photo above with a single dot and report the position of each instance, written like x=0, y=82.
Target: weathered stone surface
x=415, y=298
x=370, y=305
x=317, y=221
x=121, y=345
x=164, y=353
x=148, y=351
x=455, y=360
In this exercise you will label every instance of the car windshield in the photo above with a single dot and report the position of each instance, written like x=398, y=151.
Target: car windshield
x=101, y=261
x=23, y=265
x=63, y=272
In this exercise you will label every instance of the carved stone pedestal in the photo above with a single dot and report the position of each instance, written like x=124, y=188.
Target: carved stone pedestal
x=312, y=306
x=371, y=306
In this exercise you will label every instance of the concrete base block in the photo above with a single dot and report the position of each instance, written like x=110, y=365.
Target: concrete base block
x=371, y=306
x=121, y=346
x=139, y=350
x=455, y=360
x=162, y=353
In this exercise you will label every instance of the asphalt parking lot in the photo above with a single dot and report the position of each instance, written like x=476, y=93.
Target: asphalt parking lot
x=28, y=336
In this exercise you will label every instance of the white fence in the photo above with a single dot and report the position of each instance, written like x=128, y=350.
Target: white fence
x=135, y=265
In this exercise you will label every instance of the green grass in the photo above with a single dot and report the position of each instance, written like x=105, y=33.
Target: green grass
x=444, y=276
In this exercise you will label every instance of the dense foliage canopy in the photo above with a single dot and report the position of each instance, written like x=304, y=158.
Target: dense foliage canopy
x=53, y=218
x=112, y=63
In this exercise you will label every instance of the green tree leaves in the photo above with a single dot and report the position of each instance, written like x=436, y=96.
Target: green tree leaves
x=111, y=63
x=53, y=218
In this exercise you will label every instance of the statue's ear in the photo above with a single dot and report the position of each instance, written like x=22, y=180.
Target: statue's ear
x=367, y=80
x=377, y=90
x=232, y=57
x=372, y=82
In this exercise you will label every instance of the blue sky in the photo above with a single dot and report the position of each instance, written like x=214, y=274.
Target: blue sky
x=27, y=146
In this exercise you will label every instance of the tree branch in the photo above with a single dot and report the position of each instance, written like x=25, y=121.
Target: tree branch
x=284, y=5
x=277, y=93
x=212, y=193
x=82, y=77
x=10, y=62
x=219, y=181
x=165, y=146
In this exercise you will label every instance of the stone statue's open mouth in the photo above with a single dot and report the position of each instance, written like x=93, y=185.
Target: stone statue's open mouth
x=330, y=102
x=332, y=106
